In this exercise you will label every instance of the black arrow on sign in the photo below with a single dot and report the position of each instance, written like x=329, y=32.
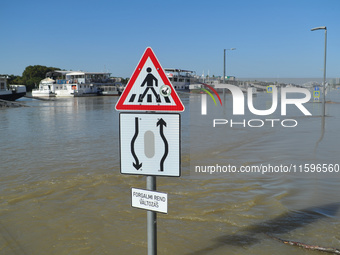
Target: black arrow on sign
x=162, y=123
x=135, y=165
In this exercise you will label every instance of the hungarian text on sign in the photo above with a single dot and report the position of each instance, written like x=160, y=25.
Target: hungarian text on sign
x=149, y=200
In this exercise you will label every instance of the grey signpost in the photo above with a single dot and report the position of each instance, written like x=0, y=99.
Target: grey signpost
x=151, y=219
x=149, y=136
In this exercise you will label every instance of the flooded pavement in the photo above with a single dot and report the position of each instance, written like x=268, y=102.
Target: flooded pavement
x=62, y=191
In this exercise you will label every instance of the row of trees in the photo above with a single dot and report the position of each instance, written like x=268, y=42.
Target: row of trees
x=32, y=75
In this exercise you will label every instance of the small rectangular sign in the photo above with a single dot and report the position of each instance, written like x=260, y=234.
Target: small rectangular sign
x=149, y=200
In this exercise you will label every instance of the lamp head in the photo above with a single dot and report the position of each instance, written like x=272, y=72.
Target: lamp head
x=318, y=28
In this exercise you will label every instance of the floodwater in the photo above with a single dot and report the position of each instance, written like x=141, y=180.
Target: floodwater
x=62, y=192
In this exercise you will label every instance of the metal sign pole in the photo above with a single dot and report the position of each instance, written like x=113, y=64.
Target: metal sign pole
x=151, y=220
x=145, y=127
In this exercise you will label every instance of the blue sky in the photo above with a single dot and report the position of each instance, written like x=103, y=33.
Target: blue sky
x=272, y=38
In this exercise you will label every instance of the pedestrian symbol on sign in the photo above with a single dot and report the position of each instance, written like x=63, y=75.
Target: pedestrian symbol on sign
x=149, y=79
x=151, y=82
x=316, y=94
x=269, y=89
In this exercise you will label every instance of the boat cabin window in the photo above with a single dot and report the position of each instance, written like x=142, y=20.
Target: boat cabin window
x=2, y=85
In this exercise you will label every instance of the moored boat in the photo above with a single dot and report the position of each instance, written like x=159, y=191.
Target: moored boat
x=13, y=93
x=75, y=84
x=180, y=79
x=46, y=88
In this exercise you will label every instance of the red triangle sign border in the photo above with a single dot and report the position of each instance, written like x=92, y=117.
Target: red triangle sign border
x=121, y=106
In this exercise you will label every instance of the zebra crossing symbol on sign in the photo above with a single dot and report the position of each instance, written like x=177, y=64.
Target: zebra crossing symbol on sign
x=149, y=89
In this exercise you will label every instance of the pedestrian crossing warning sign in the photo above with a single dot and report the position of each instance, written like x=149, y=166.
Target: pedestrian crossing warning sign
x=149, y=89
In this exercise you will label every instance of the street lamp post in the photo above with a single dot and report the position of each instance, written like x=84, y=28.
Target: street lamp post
x=324, y=71
x=225, y=62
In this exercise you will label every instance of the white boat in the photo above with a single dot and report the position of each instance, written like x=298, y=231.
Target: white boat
x=46, y=88
x=180, y=79
x=74, y=84
x=13, y=93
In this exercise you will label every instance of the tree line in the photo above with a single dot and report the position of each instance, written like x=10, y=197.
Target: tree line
x=31, y=76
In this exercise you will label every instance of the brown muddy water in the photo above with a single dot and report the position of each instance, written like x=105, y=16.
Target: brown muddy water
x=62, y=192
